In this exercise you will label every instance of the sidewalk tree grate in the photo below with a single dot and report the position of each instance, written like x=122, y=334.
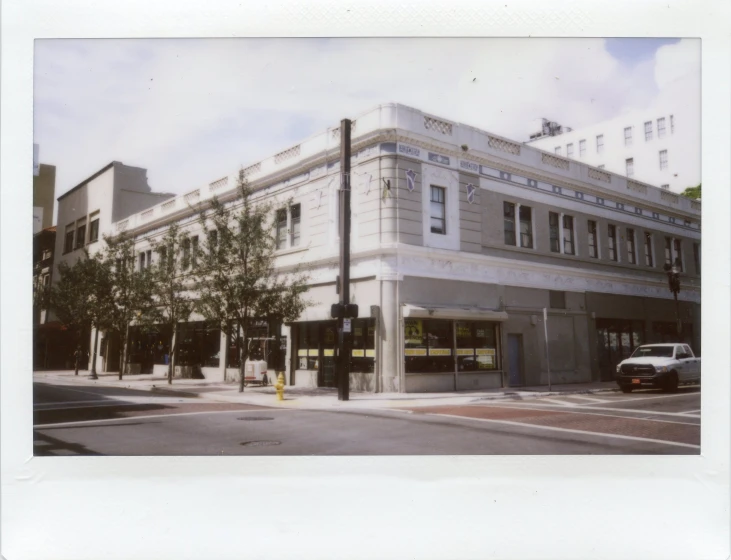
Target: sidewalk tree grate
x=253, y=418
x=260, y=443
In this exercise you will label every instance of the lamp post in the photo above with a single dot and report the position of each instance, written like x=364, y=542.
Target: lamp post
x=673, y=272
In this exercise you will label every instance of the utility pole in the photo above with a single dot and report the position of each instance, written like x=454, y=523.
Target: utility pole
x=344, y=311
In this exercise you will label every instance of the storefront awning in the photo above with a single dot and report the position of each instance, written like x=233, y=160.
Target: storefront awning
x=445, y=312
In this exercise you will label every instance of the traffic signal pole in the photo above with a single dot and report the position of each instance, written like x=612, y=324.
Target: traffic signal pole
x=345, y=328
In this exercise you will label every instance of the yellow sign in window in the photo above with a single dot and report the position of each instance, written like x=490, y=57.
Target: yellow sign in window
x=302, y=352
x=415, y=351
x=358, y=353
x=485, y=351
x=312, y=352
x=465, y=352
x=370, y=353
x=328, y=352
x=440, y=351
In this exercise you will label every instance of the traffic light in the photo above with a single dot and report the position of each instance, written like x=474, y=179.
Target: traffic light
x=348, y=311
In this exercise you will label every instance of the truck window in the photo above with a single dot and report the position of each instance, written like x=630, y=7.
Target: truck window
x=653, y=352
x=687, y=350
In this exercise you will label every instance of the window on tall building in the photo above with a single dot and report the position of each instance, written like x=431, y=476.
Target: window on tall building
x=631, y=251
x=666, y=186
x=438, y=210
x=593, y=248
x=668, y=251
x=281, y=233
x=649, y=261
x=600, y=166
x=557, y=150
x=672, y=124
x=294, y=214
x=94, y=227
x=569, y=150
x=663, y=159
x=526, y=227
x=186, y=253
x=143, y=260
x=509, y=222
x=612, y=241
x=194, y=251
x=80, y=234
x=648, y=131
x=661, y=127
x=212, y=244
x=628, y=136
x=697, y=257
x=569, y=247
x=600, y=144
x=582, y=148
x=68, y=240
x=553, y=232
x=630, y=165
x=678, y=248
x=556, y=299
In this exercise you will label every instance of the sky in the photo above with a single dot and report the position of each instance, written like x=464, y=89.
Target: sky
x=193, y=110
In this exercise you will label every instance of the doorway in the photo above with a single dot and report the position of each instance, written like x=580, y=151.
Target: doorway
x=616, y=340
x=515, y=360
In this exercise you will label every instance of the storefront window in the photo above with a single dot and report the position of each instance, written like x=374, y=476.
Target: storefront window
x=308, y=346
x=363, y=352
x=199, y=344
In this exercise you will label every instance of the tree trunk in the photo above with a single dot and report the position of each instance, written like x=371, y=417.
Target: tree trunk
x=93, y=360
x=243, y=355
x=173, y=351
x=123, y=352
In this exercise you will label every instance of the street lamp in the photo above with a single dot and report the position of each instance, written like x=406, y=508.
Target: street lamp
x=673, y=272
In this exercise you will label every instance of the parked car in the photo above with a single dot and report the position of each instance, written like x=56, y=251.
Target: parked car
x=662, y=366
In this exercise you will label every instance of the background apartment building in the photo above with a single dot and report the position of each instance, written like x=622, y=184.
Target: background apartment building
x=460, y=239
x=660, y=146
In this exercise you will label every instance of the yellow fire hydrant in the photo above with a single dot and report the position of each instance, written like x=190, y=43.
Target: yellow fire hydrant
x=279, y=386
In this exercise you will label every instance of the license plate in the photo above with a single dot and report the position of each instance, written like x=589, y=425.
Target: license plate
x=637, y=381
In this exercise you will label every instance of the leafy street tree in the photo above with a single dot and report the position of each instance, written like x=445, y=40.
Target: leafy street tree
x=171, y=284
x=238, y=285
x=80, y=299
x=131, y=291
x=693, y=192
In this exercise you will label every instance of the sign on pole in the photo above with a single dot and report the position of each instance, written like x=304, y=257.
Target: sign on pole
x=346, y=325
x=545, y=332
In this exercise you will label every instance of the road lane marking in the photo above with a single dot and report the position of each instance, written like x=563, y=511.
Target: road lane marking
x=569, y=430
x=587, y=411
x=588, y=407
x=655, y=397
x=688, y=412
x=592, y=399
x=149, y=416
x=562, y=403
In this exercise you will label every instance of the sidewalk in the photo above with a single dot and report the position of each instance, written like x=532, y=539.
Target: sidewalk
x=317, y=398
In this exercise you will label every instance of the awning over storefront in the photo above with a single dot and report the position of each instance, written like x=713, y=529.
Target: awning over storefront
x=444, y=312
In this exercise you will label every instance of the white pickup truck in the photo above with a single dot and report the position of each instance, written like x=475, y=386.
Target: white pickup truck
x=659, y=365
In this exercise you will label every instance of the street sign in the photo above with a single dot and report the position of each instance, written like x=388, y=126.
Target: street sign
x=346, y=325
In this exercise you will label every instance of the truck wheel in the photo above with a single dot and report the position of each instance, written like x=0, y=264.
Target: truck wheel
x=672, y=383
x=625, y=388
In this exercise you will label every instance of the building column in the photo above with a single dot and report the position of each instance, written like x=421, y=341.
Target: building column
x=389, y=354
x=223, y=354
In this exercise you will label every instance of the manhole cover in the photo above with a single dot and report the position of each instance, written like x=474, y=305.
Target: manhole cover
x=260, y=443
x=254, y=418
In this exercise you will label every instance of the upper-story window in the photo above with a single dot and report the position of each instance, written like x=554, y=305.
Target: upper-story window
x=80, y=233
x=509, y=222
x=697, y=257
x=668, y=251
x=569, y=150
x=438, y=210
x=661, y=127
x=94, y=227
x=143, y=260
x=678, y=248
x=593, y=245
x=648, y=131
x=631, y=251
x=649, y=260
x=600, y=144
x=612, y=239
x=281, y=235
x=553, y=231
x=194, y=251
x=526, y=227
x=600, y=166
x=186, y=253
x=630, y=165
x=582, y=148
x=288, y=226
x=665, y=186
x=628, y=136
x=663, y=159
x=672, y=124
x=68, y=240
x=569, y=247
x=557, y=150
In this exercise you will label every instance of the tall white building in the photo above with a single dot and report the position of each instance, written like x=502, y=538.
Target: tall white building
x=660, y=145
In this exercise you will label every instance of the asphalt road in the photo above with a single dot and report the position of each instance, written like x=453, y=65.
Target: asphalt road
x=114, y=421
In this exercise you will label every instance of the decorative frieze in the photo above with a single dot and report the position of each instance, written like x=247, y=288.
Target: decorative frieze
x=599, y=175
x=121, y=226
x=252, y=169
x=637, y=187
x=669, y=197
x=503, y=145
x=167, y=206
x=147, y=214
x=436, y=125
x=287, y=154
x=554, y=161
x=220, y=183
x=193, y=197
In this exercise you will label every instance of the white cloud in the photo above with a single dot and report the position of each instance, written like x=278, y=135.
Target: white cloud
x=192, y=110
